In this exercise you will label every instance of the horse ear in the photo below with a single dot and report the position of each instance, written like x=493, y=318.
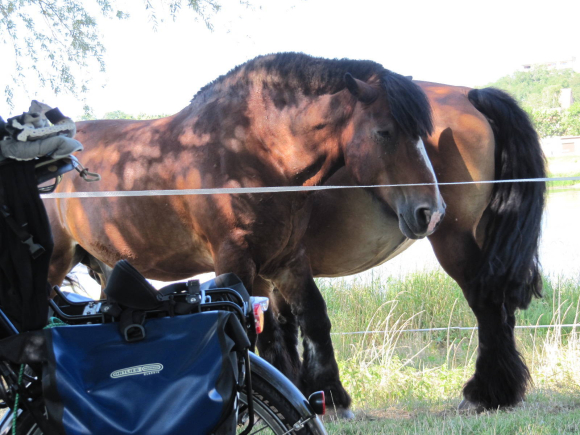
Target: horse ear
x=364, y=92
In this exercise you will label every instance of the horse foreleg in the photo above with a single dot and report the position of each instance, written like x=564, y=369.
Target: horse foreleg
x=319, y=368
x=501, y=376
x=278, y=343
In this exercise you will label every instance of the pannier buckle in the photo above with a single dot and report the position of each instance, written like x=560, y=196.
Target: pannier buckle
x=134, y=332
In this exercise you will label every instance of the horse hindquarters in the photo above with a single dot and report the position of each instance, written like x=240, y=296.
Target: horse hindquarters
x=507, y=275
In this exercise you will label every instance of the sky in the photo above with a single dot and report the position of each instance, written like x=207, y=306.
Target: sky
x=455, y=42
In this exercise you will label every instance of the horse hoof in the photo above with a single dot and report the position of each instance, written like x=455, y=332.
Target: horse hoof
x=345, y=414
x=467, y=406
x=339, y=414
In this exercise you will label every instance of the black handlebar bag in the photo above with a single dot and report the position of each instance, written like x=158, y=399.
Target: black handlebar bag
x=180, y=379
x=25, y=247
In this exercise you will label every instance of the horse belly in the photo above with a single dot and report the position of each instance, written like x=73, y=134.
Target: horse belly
x=350, y=232
x=149, y=232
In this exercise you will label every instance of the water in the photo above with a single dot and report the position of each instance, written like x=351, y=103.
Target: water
x=559, y=248
x=559, y=245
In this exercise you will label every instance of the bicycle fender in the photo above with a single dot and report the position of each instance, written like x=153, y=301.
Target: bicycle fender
x=266, y=371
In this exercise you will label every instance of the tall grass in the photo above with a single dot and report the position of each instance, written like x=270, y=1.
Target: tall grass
x=385, y=365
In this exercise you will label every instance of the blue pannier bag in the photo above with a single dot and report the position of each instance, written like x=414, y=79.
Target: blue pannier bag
x=180, y=379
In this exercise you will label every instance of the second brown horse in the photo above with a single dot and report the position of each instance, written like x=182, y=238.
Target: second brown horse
x=488, y=241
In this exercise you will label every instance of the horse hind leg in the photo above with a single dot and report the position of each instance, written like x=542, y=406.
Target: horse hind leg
x=501, y=376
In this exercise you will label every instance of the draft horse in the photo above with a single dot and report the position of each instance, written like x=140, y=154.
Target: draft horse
x=279, y=120
x=488, y=241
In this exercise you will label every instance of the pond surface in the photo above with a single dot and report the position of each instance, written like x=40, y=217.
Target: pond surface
x=559, y=247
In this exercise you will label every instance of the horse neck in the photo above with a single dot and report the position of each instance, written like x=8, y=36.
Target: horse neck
x=303, y=140
x=264, y=133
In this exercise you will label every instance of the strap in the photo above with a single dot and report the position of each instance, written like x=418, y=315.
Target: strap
x=25, y=237
x=131, y=325
x=84, y=172
x=3, y=132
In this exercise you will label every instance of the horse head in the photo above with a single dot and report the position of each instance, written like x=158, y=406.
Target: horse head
x=384, y=147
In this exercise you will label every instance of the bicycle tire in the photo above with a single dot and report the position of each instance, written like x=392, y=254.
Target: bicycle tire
x=278, y=404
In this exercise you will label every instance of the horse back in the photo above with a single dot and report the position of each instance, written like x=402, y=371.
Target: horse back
x=461, y=149
x=159, y=234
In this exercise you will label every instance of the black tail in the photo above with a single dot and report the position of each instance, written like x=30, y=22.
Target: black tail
x=510, y=252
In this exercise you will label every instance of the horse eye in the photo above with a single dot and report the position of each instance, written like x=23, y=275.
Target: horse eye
x=384, y=134
x=319, y=126
x=34, y=115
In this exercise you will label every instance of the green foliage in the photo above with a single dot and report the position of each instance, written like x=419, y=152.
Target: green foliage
x=556, y=122
x=538, y=91
x=49, y=38
x=571, y=119
x=548, y=122
x=540, y=87
x=119, y=114
x=58, y=41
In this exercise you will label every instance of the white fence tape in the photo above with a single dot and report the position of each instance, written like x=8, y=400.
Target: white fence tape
x=254, y=190
x=251, y=190
x=454, y=328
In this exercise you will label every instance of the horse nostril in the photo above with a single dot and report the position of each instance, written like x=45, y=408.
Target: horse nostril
x=423, y=216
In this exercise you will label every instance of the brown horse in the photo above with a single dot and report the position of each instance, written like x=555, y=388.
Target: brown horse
x=279, y=120
x=488, y=241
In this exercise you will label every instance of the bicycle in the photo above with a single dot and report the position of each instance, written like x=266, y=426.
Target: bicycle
x=266, y=400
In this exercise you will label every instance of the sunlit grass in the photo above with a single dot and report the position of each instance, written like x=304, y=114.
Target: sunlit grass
x=391, y=372
x=543, y=417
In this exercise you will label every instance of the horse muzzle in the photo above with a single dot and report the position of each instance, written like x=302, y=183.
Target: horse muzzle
x=422, y=221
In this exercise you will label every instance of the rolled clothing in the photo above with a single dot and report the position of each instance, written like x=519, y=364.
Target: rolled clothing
x=55, y=147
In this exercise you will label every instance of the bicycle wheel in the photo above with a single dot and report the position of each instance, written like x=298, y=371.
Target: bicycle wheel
x=279, y=407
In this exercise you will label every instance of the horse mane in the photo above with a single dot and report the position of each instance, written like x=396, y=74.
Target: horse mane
x=301, y=73
x=409, y=105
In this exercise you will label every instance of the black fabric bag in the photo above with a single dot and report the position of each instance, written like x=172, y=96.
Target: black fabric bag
x=25, y=247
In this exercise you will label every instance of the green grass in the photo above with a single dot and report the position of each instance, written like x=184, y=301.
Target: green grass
x=410, y=382
x=542, y=417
